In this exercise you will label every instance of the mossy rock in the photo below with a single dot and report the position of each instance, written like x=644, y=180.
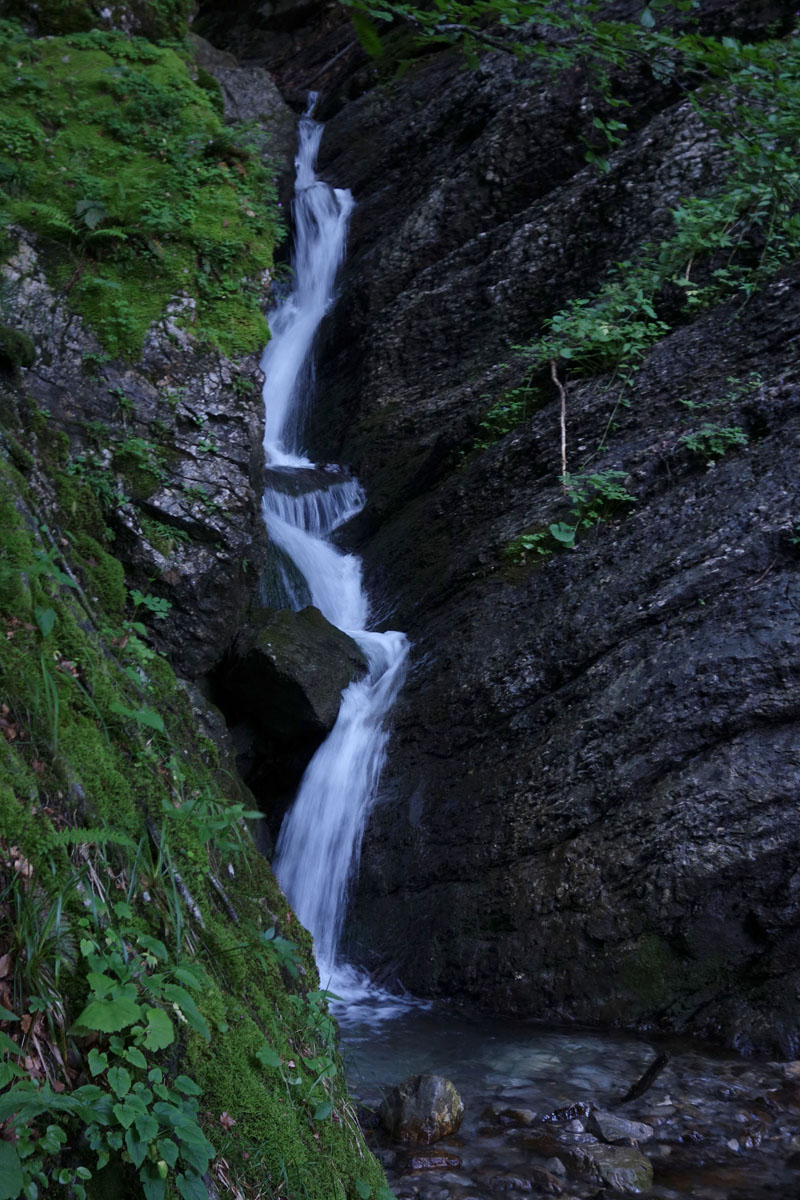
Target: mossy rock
x=105, y=573
x=16, y=349
x=154, y=19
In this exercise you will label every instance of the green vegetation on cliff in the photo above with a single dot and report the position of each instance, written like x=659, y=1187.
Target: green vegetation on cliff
x=160, y=1014
x=138, y=194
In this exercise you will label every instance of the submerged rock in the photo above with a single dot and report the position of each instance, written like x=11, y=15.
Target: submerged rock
x=423, y=1108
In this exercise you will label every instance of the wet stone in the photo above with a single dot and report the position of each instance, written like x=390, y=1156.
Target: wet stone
x=433, y=1162
x=510, y=1183
x=546, y=1181
x=618, y=1167
x=612, y=1129
x=423, y=1108
x=519, y=1117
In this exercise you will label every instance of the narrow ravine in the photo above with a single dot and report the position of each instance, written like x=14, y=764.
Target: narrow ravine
x=318, y=847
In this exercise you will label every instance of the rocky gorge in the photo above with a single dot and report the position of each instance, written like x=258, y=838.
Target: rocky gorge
x=587, y=815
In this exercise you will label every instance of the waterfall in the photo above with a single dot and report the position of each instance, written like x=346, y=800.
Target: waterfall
x=319, y=844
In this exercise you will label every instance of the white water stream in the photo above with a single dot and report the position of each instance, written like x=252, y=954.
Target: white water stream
x=319, y=843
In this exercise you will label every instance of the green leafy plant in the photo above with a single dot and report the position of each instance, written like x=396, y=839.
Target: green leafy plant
x=159, y=606
x=712, y=441
x=134, y=1108
x=595, y=496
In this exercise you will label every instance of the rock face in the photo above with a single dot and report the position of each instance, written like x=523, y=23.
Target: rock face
x=424, y=1108
x=179, y=432
x=590, y=799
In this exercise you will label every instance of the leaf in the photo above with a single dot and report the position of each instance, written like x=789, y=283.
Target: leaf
x=363, y=1188
x=168, y=1151
x=109, y=1016
x=101, y=985
x=45, y=619
x=135, y=1147
x=189, y=974
x=647, y=19
x=8, y=1045
x=142, y=716
x=11, y=1180
x=267, y=1056
x=323, y=1111
x=160, y=1030
x=91, y=212
x=153, y=1186
x=97, y=1062
x=135, y=1057
x=119, y=1080
x=181, y=997
x=154, y=946
x=127, y=1112
x=7, y=1015
x=10, y=1071
x=385, y=1193
x=563, y=533
x=188, y=1086
x=191, y=1186
x=146, y=1126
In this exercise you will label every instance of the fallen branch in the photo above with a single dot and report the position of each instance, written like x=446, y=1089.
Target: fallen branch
x=223, y=895
x=562, y=392
x=645, y=1082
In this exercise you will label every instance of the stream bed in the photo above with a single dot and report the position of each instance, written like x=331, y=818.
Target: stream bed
x=724, y=1128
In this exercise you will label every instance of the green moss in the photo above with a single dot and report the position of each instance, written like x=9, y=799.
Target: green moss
x=206, y=80
x=16, y=349
x=120, y=161
x=105, y=573
x=106, y=780
x=156, y=19
x=79, y=504
x=658, y=976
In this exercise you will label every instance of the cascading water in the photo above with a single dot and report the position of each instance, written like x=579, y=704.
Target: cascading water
x=319, y=843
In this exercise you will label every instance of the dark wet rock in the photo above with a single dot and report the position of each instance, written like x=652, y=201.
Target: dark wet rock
x=424, y=1108
x=546, y=1181
x=610, y=1128
x=250, y=93
x=556, y=1166
x=519, y=1117
x=543, y=1143
x=432, y=1162
x=623, y=1169
x=510, y=1183
x=287, y=671
x=575, y=755
x=194, y=536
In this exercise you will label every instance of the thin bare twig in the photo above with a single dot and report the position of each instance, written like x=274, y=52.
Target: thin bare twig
x=562, y=392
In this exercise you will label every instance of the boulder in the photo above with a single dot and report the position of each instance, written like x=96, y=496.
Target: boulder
x=288, y=670
x=423, y=1108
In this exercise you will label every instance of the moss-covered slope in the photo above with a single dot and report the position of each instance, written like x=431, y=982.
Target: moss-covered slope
x=161, y=1017
x=118, y=159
